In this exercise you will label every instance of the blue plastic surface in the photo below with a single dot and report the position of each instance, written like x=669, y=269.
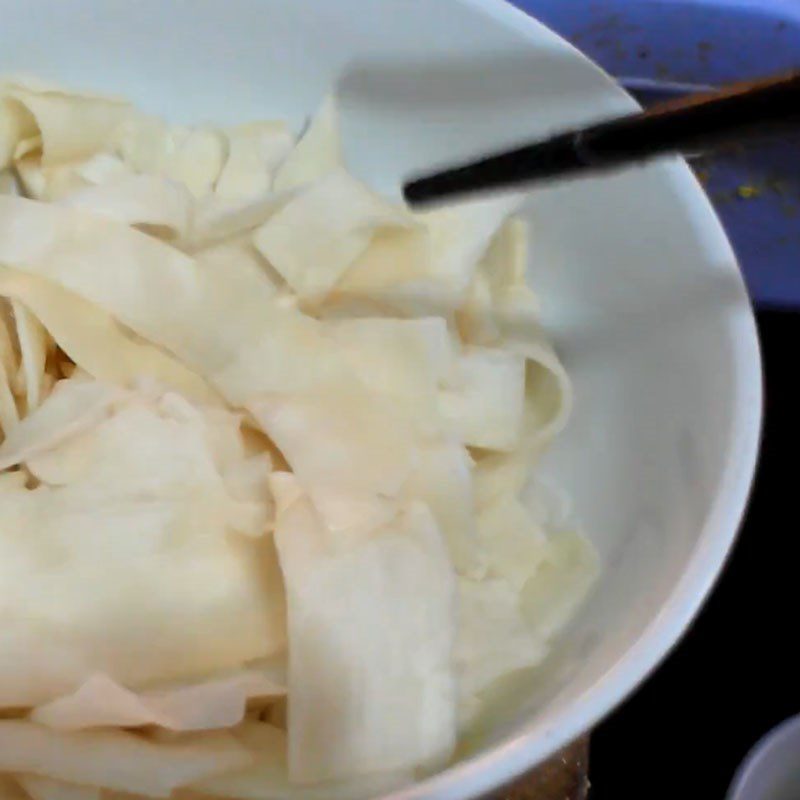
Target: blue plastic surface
x=662, y=47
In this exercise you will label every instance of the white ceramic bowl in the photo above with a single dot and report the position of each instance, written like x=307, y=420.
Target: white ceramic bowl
x=771, y=770
x=640, y=288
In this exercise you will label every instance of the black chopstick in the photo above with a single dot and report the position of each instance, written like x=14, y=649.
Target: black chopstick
x=697, y=123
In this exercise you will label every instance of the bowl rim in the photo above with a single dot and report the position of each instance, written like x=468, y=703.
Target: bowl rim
x=756, y=762
x=501, y=763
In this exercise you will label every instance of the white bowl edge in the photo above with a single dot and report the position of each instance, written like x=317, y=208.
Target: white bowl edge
x=499, y=765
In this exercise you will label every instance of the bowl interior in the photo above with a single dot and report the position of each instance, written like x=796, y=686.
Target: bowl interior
x=640, y=289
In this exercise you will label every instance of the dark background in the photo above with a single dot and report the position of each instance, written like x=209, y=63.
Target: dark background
x=736, y=673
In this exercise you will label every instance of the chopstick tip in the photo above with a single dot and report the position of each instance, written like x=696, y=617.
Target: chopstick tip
x=415, y=193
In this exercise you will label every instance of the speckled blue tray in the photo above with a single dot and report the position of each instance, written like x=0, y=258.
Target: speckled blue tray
x=659, y=48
